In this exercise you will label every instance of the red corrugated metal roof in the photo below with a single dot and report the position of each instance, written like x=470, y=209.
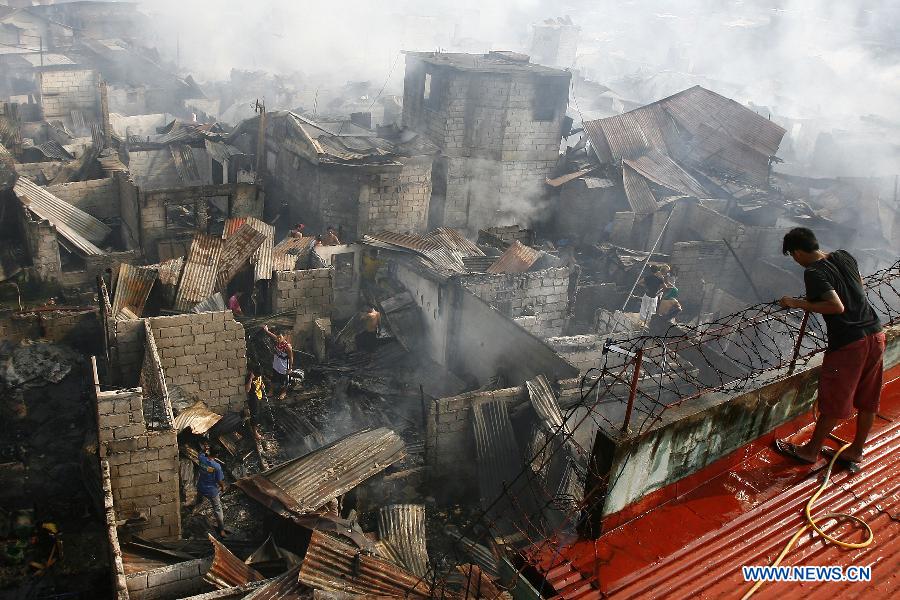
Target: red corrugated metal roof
x=518, y=258
x=133, y=286
x=198, y=277
x=227, y=570
x=238, y=249
x=694, y=545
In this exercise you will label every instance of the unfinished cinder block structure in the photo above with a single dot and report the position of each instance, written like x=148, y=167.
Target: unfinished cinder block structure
x=65, y=89
x=498, y=120
x=310, y=293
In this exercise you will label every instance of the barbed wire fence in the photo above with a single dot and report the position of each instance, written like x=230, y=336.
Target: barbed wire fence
x=641, y=377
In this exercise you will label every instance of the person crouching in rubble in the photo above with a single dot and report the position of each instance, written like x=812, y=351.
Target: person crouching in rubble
x=211, y=484
x=852, y=370
x=367, y=340
x=282, y=362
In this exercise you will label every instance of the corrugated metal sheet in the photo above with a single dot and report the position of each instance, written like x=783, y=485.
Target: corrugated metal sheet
x=74, y=224
x=53, y=151
x=637, y=192
x=334, y=566
x=479, y=585
x=220, y=151
x=436, y=256
x=169, y=271
x=453, y=240
x=283, y=587
x=307, y=483
x=236, y=251
x=518, y=258
x=133, y=286
x=662, y=170
x=214, y=303
x=198, y=418
x=563, y=179
x=478, y=264
x=290, y=250
x=263, y=259
x=633, y=133
x=183, y=157
x=477, y=552
x=227, y=570
x=402, y=527
x=198, y=277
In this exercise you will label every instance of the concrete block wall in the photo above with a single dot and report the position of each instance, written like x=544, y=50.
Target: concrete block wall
x=397, y=201
x=117, y=572
x=143, y=464
x=65, y=90
x=544, y=292
x=310, y=293
x=172, y=581
x=97, y=197
x=43, y=249
x=153, y=379
x=205, y=355
x=696, y=261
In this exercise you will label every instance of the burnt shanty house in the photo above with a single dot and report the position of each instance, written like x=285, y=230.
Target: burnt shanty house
x=498, y=120
x=319, y=175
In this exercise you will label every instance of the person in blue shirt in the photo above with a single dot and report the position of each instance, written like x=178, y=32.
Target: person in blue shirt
x=211, y=483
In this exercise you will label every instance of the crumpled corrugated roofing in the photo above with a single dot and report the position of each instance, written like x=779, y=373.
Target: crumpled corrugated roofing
x=331, y=565
x=440, y=251
x=284, y=587
x=198, y=277
x=402, y=528
x=133, y=286
x=197, y=417
x=75, y=225
x=662, y=170
x=518, y=258
x=236, y=251
x=307, y=483
x=263, y=258
x=227, y=570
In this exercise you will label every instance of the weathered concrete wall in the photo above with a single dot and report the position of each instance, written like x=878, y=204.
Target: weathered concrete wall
x=80, y=329
x=173, y=581
x=65, y=90
x=97, y=197
x=435, y=299
x=117, y=572
x=143, y=464
x=701, y=431
x=43, y=250
x=310, y=293
x=205, y=355
x=543, y=294
x=127, y=350
x=345, y=261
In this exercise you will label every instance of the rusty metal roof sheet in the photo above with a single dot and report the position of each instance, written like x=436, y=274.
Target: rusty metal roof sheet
x=75, y=225
x=308, y=482
x=443, y=260
x=284, y=587
x=478, y=264
x=183, y=157
x=331, y=565
x=198, y=278
x=263, y=258
x=197, y=417
x=518, y=258
x=288, y=251
x=632, y=133
x=170, y=270
x=220, y=151
x=563, y=179
x=637, y=191
x=662, y=170
x=133, y=286
x=227, y=570
x=402, y=528
x=238, y=248
x=214, y=303
x=453, y=240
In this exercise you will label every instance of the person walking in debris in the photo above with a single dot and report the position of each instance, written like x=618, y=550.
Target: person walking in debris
x=653, y=283
x=297, y=231
x=234, y=304
x=367, y=340
x=211, y=484
x=852, y=370
x=331, y=237
x=282, y=361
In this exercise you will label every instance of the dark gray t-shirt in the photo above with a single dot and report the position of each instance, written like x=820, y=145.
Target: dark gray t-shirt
x=840, y=272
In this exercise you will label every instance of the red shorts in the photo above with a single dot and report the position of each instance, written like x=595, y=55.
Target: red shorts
x=851, y=377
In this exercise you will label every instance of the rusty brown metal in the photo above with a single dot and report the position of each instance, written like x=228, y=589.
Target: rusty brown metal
x=402, y=528
x=133, y=286
x=305, y=484
x=284, y=587
x=198, y=418
x=198, y=277
x=236, y=251
x=227, y=570
x=479, y=585
x=331, y=565
x=518, y=258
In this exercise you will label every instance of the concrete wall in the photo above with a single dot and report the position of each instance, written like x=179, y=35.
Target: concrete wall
x=205, y=355
x=397, y=201
x=43, y=249
x=345, y=261
x=65, y=90
x=310, y=293
x=97, y=197
x=143, y=464
x=173, y=581
x=542, y=293
x=126, y=350
x=434, y=298
x=701, y=431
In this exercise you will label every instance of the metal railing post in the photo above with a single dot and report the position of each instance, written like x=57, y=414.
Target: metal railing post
x=800, y=333
x=638, y=359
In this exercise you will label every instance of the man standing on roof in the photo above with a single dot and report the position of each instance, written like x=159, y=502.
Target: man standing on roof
x=852, y=370
x=331, y=237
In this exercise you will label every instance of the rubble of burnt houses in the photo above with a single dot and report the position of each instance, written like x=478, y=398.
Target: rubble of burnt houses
x=359, y=479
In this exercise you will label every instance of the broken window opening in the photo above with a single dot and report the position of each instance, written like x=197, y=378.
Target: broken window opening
x=181, y=216
x=545, y=102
